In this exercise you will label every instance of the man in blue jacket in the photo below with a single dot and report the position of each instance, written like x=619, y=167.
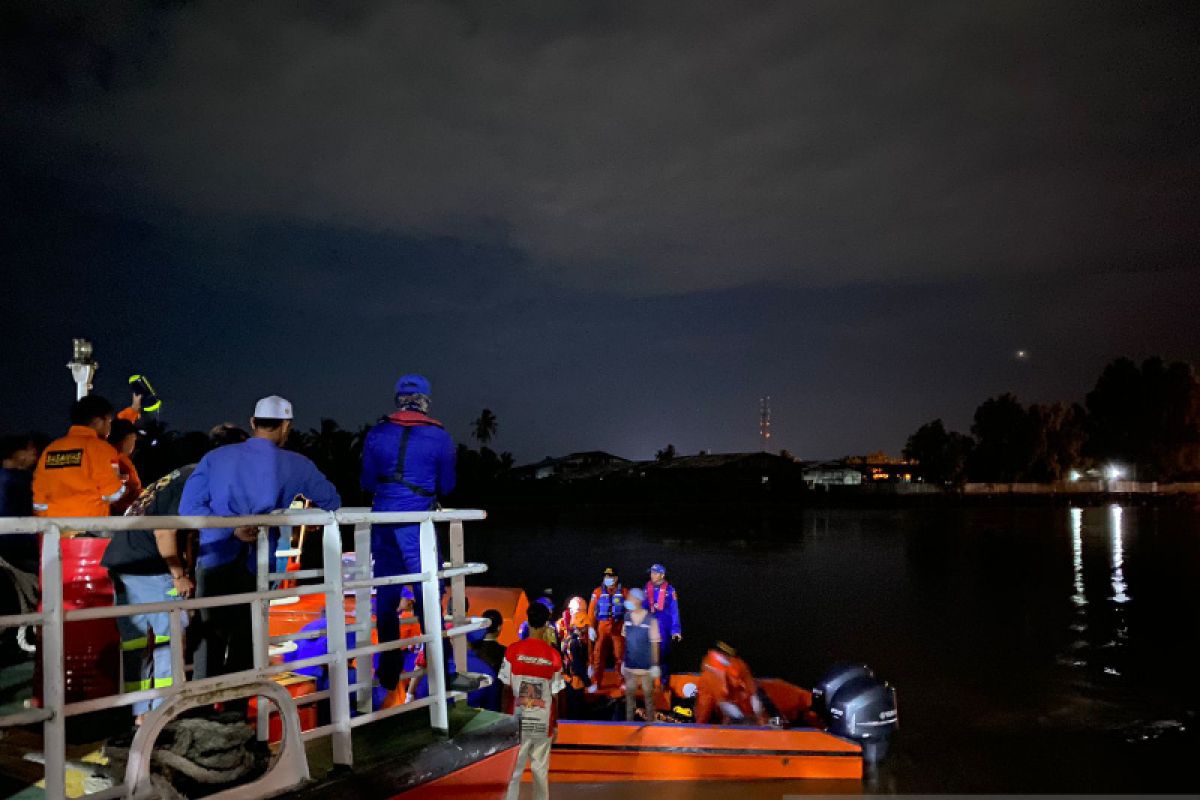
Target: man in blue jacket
x=408, y=462
x=255, y=477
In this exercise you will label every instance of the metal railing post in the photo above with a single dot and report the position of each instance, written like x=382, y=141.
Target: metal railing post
x=54, y=695
x=178, y=669
x=335, y=628
x=365, y=669
x=260, y=627
x=458, y=594
x=435, y=657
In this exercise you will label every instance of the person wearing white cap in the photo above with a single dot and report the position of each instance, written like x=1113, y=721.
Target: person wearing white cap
x=255, y=477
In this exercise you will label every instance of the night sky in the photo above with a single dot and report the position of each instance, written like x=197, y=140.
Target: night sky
x=615, y=224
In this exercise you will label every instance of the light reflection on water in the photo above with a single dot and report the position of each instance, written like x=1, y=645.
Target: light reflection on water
x=1080, y=596
x=1108, y=619
x=1115, y=517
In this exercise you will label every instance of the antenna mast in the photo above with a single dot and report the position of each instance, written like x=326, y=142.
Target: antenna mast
x=764, y=423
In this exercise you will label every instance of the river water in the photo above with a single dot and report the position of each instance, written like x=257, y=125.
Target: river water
x=1033, y=649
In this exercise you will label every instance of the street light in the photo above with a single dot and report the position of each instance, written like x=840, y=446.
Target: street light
x=83, y=367
x=1114, y=472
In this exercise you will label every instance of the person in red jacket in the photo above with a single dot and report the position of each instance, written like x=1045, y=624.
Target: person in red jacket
x=532, y=670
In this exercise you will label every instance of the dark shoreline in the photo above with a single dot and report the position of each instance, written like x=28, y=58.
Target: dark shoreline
x=673, y=507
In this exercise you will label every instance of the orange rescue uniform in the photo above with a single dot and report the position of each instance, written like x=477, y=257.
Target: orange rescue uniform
x=609, y=632
x=724, y=679
x=77, y=476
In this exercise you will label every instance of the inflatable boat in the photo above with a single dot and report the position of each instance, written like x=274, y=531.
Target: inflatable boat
x=829, y=732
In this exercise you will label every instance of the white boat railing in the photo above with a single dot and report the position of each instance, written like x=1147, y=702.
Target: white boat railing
x=290, y=766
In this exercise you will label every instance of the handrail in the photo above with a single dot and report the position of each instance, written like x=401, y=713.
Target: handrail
x=345, y=516
x=334, y=585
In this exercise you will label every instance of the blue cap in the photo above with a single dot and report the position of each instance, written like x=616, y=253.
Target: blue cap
x=412, y=384
x=658, y=568
x=547, y=602
x=406, y=591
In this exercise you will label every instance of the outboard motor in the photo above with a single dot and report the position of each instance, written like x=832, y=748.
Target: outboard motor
x=864, y=709
x=835, y=678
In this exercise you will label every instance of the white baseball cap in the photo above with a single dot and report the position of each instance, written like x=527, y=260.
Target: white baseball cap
x=273, y=407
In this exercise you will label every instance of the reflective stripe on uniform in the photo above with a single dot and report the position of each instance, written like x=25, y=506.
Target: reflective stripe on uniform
x=149, y=683
x=141, y=642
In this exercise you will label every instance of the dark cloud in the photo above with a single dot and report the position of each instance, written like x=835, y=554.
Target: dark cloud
x=663, y=148
x=617, y=225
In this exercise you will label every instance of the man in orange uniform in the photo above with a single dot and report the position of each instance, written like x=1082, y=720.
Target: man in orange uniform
x=607, y=612
x=124, y=437
x=728, y=689
x=78, y=475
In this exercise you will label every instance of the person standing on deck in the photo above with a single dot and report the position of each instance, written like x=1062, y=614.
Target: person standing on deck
x=641, y=665
x=255, y=477
x=607, y=612
x=18, y=457
x=532, y=670
x=78, y=475
x=577, y=664
x=408, y=463
x=146, y=567
x=124, y=438
x=663, y=602
x=18, y=552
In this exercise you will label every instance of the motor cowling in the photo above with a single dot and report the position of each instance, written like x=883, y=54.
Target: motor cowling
x=864, y=709
x=834, y=679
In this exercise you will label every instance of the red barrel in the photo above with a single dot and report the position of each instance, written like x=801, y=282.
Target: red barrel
x=92, y=649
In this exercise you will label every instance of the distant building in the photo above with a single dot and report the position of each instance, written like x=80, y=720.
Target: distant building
x=575, y=465
x=899, y=472
x=832, y=473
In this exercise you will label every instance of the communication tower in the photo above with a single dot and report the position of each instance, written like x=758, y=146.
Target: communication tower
x=764, y=423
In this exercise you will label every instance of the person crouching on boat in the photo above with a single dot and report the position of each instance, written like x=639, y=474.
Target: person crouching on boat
x=408, y=462
x=532, y=670
x=663, y=602
x=727, y=691
x=641, y=666
x=607, y=611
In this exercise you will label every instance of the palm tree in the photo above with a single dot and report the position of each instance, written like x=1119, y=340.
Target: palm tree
x=485, y=426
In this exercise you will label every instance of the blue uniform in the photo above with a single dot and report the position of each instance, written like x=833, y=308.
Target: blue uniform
x=254, y=477
x=664, y=604
x=408, y=462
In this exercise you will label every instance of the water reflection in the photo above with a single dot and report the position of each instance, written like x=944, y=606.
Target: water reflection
x=1100, y=632
x=1080, y=597
x=1115, y=517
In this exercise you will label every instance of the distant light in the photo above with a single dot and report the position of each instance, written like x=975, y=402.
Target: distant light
x=1022, y=355
x=1074, y=475
x=1114, y=472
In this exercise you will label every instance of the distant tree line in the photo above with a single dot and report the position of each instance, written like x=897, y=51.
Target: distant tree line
x=336, y=451
x=1145, y=418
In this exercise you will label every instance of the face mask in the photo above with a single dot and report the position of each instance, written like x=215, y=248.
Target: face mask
x=609, y=581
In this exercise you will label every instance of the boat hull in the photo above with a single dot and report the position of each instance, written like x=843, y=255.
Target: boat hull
x=596, y=752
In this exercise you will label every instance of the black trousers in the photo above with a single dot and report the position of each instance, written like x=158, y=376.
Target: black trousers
x=225, y=633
